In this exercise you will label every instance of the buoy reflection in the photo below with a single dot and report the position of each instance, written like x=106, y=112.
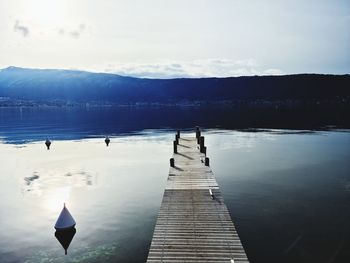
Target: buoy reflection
x=65, y=237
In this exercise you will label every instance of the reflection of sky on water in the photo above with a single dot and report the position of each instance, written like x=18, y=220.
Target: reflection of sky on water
x=40, y=180
x=272, y=181
x=286, y=186
x=69, y=165
x=112, y=193
x=240, y=140
x=54, y=174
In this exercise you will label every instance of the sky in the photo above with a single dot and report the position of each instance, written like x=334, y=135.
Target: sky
x=177, y=38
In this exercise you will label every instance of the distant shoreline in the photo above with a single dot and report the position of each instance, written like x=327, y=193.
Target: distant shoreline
x=238, y=103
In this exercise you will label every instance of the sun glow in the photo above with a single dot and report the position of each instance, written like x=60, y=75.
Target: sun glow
x=56, y=197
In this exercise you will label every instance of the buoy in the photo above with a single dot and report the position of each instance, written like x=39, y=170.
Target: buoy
x=65, y=220
x=211, y=193
x=107, y=140
x=48, y=143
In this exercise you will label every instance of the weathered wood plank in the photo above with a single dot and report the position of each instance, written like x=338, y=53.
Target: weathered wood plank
x=191, y=225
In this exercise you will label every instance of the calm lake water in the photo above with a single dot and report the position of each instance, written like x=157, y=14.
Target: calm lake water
x=288, y=191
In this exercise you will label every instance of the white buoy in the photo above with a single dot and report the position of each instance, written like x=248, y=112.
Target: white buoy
x=65, y=220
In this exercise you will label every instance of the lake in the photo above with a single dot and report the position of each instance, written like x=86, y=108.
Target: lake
x=288, y=191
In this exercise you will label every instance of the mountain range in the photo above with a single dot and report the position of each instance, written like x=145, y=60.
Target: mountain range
x=44, y=85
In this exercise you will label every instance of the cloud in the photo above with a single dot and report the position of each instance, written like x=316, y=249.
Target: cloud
x=75, y=33
x=193, y=69
x=21, y=29
x=273, y=71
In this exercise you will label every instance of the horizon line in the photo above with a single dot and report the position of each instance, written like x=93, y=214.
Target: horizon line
x=170, y=78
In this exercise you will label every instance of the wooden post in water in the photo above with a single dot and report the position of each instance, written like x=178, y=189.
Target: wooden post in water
x=172, y=162
x=204, y=150
x=206, y=161
x=201, y=143
x=178, y=133
x=198, y=134
x=201, y=140
x=175, y=146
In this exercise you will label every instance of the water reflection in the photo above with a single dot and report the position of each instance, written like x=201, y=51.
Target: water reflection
x=65, y=237
x=28, y=180
x=32, y=124
x=115, y=194
x=38, y=181
x=282, y=189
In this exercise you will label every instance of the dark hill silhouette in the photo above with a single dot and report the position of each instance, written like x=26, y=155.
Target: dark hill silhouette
x=83, y=87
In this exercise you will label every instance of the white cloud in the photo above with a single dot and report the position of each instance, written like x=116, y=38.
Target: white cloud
x=120, y=32
x=273, y=71
x=73, y=32
x=192, y=69
x=18, y=27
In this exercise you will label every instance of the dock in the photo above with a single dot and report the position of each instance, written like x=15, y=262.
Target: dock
x=194, y=224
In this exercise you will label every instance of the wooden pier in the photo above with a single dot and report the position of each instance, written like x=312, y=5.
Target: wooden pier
x=194, y=224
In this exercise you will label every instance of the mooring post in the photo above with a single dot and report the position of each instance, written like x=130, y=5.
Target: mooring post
x=178, y=133
x=198, y=135
x=175, y=146
x=201, y=140
x=177, y=138
x=172, y=162
x=201, y=143
x=206, y=161
x=203, y=150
